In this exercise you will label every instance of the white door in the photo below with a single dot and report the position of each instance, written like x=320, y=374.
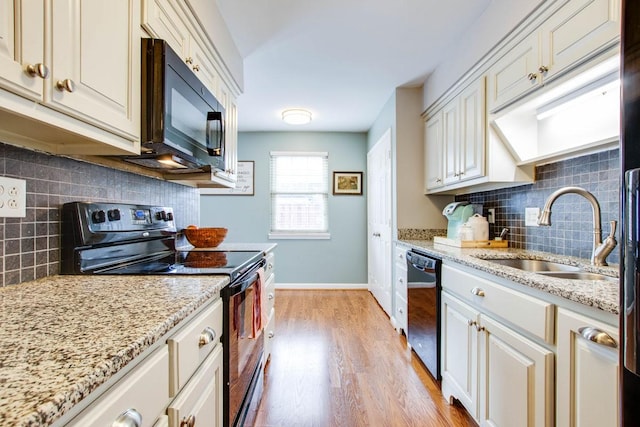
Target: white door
x=379, y=221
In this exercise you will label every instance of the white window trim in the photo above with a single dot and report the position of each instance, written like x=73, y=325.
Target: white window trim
x=300, y=235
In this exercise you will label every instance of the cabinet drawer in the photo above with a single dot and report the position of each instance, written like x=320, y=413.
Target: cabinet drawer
x=270, y=294
x=531, y=314
x=269, y=335
x=270, y=266
x=401, y=282
x=401, y=255
x=401, y=313
x=201, y=398
x=145, y=389
x=187, y=351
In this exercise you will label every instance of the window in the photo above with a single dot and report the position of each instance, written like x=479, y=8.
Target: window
x=299, y=195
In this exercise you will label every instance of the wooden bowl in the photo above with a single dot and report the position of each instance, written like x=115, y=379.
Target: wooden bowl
x=206, y=237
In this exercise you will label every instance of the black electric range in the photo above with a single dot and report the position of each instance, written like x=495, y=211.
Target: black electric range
x=114, y=238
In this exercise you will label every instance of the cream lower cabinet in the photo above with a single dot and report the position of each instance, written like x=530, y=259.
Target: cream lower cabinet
x=269, y=306
x=401, y=311
x=587, y=371
x=503, y=377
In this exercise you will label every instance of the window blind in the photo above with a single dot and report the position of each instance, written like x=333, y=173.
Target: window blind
x=299, y=192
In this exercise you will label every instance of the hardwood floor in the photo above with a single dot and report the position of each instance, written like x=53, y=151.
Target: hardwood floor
x=336, y=361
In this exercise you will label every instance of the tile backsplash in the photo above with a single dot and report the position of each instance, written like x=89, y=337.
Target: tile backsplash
x=30, y=246
x=571, y=230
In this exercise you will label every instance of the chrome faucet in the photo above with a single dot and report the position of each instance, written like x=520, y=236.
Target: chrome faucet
x=600, y=250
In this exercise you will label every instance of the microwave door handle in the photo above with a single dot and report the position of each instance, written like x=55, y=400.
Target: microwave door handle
x=218, y=149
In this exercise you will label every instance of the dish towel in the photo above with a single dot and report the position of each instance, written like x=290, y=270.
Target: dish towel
x=257, y=304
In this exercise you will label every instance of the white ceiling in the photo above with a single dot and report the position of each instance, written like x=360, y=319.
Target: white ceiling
x=340, y=59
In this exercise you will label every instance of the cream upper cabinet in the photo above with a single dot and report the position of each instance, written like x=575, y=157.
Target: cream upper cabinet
x=576, y=32
x=587, y=371
x=434, y=145
x=22, y=67
x=455, y=139
x=160, y=20
x=95, y=63
x=69, y=79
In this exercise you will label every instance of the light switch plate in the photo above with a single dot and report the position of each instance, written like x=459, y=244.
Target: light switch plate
x=531, y=216
x=13, y=197
x=491, y=216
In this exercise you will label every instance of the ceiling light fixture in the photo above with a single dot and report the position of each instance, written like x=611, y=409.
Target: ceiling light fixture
x=296, y=116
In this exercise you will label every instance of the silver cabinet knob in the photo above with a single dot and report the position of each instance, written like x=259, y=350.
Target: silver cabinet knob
x=438, y=180
x=471, y=322
x=479, y=328
x=271, y=295
x=206, y=336
x=271, y=334
x=66, y=84
x=478, y=292
x=129, y=418
x=532, y=77
x=38, y=70
x=597, y=336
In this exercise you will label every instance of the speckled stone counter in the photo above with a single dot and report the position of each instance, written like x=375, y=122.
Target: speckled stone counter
x=601, y=294
x=63, y=336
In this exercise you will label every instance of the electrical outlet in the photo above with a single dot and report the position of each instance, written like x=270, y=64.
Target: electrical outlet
x=491, y=216
x=531, y=216
x=13, y=197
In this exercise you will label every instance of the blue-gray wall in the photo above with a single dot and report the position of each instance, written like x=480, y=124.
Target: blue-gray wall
x=339, y=260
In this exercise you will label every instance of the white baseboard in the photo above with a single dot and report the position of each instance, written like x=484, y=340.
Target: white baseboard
x=309, y=286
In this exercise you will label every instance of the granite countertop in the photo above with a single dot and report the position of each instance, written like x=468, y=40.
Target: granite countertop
x=63, y=336
x=601, y=294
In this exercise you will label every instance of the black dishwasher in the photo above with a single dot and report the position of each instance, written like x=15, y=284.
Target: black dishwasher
x=423, y=293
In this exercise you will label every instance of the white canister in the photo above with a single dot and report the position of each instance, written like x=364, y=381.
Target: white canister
x=465, y=232
x=480, y=227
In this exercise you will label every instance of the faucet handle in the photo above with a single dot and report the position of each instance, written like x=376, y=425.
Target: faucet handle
x=613, y=228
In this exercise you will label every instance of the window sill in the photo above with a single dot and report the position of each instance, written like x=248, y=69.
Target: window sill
x=299, y=236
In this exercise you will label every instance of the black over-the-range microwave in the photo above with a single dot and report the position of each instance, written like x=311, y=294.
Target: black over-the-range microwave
x=183, y=127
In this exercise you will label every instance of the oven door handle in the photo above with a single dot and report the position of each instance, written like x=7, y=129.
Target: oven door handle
x=251, y=276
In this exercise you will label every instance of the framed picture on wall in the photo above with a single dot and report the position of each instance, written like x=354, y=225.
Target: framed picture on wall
x=244, y=184
x=347, y=183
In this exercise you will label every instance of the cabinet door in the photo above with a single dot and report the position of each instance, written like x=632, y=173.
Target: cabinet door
x=579, y=30
x=225, y=97
x=472, y=130
x=269, y=335
x=451, y=141
x=95, y=67
x=201, y=398
x=516, y=379
x=433, y=152
x=21, y=46
x=515, y=73
x=587, y=372
x=459, y=363
x=200, y=62
x=161, y=21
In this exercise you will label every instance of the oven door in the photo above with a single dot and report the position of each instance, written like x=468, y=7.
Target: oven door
x=243, y=345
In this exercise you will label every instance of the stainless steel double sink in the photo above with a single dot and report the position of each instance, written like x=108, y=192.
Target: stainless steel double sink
x=550, y=268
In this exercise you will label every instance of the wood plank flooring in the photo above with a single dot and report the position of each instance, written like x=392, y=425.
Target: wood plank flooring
x=336, y=361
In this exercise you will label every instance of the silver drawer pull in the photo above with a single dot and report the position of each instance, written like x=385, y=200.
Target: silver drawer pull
x=271, y=295
x=129, y=418
x=206, y=336
x=597, y=336
x=271, y=334
x=477, y=291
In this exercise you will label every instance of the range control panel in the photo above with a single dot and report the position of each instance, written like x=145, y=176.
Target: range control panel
x=117, y=217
